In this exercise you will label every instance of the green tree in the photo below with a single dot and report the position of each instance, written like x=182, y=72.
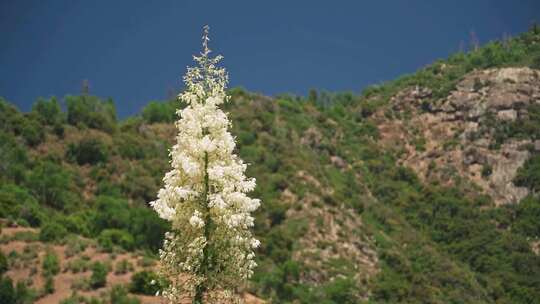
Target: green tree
x=88, y=151
x=52, y=232
x=115, y=237
x=51, y=185
x=156, y=111
x=92, y=112
x=111, y=212
x=49, y=111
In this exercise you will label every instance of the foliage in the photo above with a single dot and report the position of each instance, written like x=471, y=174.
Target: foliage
x=88, y=151
x=98, y=278
x=128, y=226
x=123, y=267
x=49, y=111
x=522, y=217
x=3, y=263
x=49, y=285
x=18, y=294
x=119, y=295
x=13, y=159
x=156, y=111
x=51, y=185
x=145, y=282
x=52, y=232
x=17, y=203
x=115, y=237
x=7, y=293
x=529, y=174
x=51, y=265
x=91, y=112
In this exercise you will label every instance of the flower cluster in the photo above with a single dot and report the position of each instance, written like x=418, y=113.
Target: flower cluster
x=204, y=196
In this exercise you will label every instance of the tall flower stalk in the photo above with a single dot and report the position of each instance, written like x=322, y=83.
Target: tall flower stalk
x=209, y=250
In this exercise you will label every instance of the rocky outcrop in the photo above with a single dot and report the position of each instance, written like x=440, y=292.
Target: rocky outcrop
x=504, y=92
x=459, y=132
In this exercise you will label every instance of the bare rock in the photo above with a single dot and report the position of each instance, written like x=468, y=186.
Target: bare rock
x=505, y=166
x=515, y=75
x=459, y=135
x=537, y=145
x=507, y=115
x=338, y=162
x=312, y=137
x=502, y=99
x=411, y=97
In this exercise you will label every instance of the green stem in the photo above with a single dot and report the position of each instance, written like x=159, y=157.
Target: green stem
x=203, y=270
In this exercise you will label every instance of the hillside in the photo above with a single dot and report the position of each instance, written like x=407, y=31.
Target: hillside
x=423, y=189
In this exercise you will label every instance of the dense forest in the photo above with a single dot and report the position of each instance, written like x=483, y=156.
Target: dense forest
x=342, y=220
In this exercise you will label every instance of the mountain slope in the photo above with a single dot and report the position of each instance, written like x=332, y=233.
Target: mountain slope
x=423, y=189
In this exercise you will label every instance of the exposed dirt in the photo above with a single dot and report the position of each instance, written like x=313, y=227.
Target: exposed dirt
x=28, y=267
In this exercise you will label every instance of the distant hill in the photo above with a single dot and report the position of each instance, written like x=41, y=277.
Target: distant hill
x=422, y=189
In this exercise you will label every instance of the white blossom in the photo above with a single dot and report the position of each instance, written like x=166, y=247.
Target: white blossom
x=196, y=220
x=205, y=194
x=255, y=243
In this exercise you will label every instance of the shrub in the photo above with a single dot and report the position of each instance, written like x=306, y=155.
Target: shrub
x=51, y=265
x=141, y=282
x=148, y=228
x=88, y=151
x=75, y=223
x=49, y=111
x=123, y=267
x=49, y=285
x=119, y=295
x=52, y=232
x=159, y=112
x=51, y=185
x=111, y=213
x=146, y=262
x=7, y=293
x=529, y=174
x=92, y=112
x=13, y=159
x=246, y=138
x=130, y=146
x=527, y=213
x=341, y=290
x=75, y=245
x=17, y=203
x=80, y=264
x=25, y=236
x=23, y=294
x=32, y=215
x=98, y=278
x=115, y=237
x=3, y=263
x=139, y=185
x=32, y=132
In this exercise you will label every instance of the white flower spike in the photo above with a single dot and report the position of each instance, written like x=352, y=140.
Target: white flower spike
x=210, y=247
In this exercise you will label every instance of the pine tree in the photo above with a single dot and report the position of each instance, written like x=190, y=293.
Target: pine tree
x=209, y=250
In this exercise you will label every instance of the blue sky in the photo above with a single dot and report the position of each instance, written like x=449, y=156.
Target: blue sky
x=134, y=51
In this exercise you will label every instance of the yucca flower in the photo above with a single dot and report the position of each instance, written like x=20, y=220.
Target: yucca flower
x=210, y=247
